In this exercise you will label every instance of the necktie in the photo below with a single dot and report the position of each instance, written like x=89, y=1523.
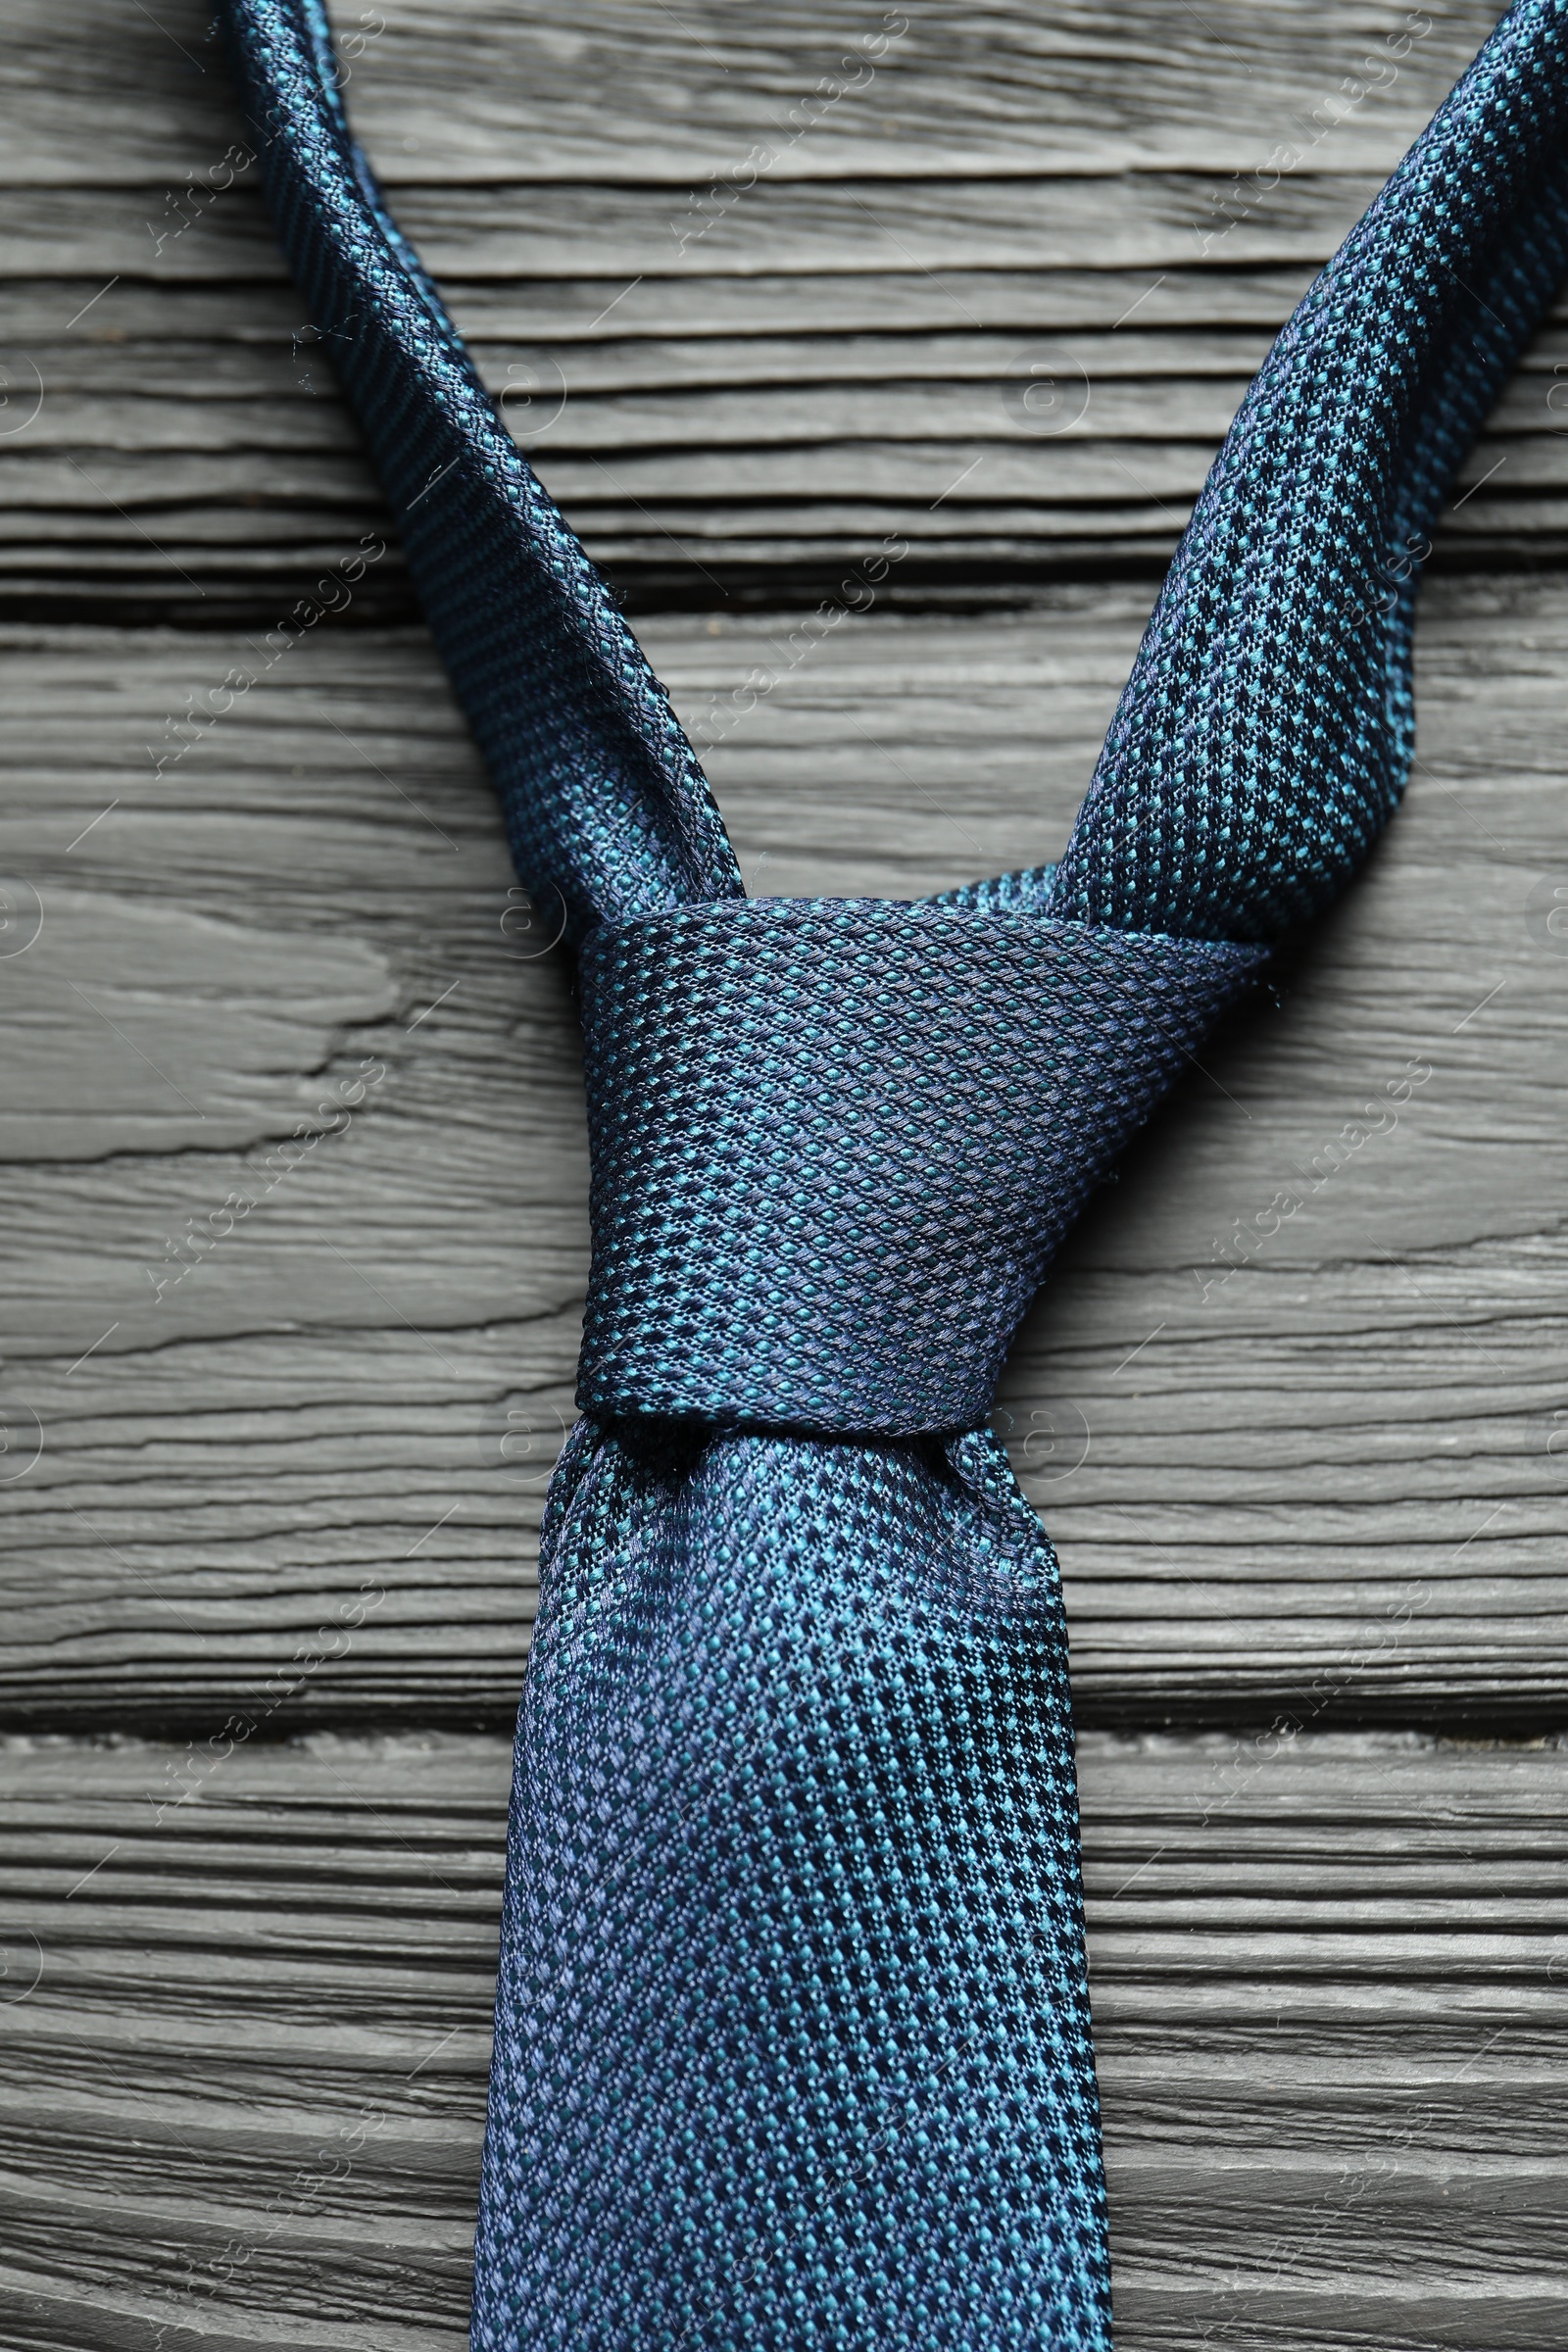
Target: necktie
x=792, y=2028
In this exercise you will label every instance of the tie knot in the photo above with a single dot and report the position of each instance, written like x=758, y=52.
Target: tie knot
x=835, y=1142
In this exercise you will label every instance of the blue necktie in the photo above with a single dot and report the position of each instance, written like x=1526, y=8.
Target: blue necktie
x=792, y=2028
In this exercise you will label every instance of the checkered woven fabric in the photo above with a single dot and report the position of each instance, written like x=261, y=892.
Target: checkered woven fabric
x=609, y=811
x=836, y=1144
x=1265, y=733
x=792, y=2032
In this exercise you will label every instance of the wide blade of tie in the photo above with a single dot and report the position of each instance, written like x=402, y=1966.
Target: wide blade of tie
x=792, y=2027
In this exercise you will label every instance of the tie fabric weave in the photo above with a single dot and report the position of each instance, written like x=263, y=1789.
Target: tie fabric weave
x=791, y=2024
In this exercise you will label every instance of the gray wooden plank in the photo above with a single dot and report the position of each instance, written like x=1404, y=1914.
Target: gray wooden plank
x=1301, y=1473
x=717, y=394
x=623, y=90
x=244, y=2031
x=1292, y=1406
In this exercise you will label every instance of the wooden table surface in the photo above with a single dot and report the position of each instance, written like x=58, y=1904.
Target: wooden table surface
x=878, y=354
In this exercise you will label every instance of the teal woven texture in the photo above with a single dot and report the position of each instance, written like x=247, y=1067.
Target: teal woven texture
x=793, y=2046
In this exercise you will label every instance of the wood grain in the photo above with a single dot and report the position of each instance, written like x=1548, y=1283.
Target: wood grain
x=1316, y=1471
x=999, y=298
x=243, y=2040
x=622, y=91
x=1295, y=1405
